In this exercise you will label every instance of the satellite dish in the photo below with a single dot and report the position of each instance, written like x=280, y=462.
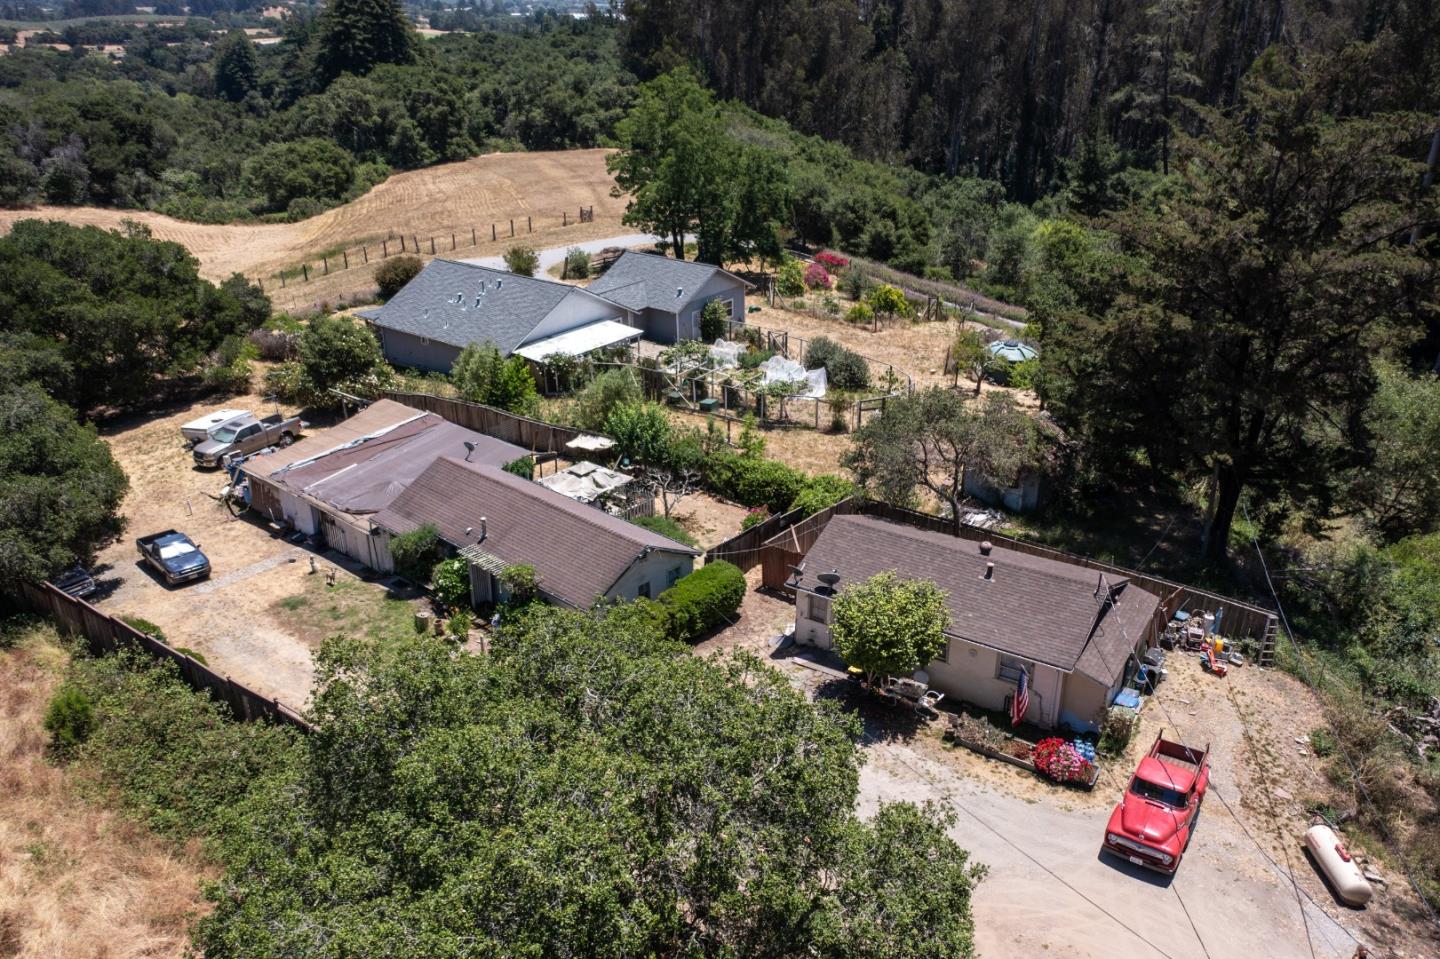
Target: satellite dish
x=830, y=578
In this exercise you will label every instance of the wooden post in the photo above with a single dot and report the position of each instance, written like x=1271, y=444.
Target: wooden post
x=529, y=227
x=512, y=228
x=384, y=249
x=452, y=241
x=305, y=268
x=472, y=236
x=415, y=242
x=282, y=279
x=346, y=255
x=432, y=246
x=326, y=260
x=365, y=252
x=260, y=282
x=402, y=243
x=564, y=217
x=492, y=233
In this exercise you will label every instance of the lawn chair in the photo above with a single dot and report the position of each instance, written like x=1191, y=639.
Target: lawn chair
x=928, y=705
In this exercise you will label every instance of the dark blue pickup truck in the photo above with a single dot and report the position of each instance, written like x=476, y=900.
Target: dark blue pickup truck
x=174, y=555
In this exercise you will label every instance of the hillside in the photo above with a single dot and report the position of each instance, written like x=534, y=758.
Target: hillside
x=451, y=197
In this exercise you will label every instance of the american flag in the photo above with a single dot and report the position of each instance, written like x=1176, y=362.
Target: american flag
x=1021, y=702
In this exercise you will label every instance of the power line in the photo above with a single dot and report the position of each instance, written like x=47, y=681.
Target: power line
x=1339, y=744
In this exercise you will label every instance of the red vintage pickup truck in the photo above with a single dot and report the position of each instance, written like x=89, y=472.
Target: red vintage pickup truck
x=1153, y=823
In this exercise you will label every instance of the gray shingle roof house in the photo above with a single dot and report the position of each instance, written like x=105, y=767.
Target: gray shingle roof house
x=451, y=304
x=497, y=519
x=1074, y=634
x=668, y=294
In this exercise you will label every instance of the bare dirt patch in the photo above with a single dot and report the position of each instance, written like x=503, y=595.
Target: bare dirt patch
x=76, y=878
x=437, y=201
x=708, y=519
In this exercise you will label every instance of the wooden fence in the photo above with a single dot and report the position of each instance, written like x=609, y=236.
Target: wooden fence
x=784, y=548
x=407, y=243
x=535, y=435
x=106, y=634
x=747, y=548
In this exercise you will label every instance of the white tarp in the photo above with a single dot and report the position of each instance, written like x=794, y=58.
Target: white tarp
x=585, y=481
x=579, y=341
x=811, y=383
x=591, y=444
x=726, y=353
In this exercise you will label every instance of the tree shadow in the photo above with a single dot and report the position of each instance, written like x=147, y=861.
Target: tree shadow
x=882, y=719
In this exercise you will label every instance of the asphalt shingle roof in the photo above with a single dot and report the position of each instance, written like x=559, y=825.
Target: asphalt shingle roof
x=1034, y=608
x=578, y=551
x=647, y=280
x=443, y=304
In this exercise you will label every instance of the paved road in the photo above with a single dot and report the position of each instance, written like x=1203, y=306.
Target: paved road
x=1035, y=902
x=554, y=255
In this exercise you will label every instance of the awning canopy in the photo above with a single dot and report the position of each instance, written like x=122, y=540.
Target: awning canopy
x=581, y=340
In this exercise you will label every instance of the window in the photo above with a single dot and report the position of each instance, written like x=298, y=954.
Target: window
x=644, y=590
x=729, y=307
x=672, y=576
x=944, y=655
x=1009, y=669
x=819, y=609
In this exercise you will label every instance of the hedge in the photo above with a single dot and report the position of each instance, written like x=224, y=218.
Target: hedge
x=703, y=600
x=754, y=481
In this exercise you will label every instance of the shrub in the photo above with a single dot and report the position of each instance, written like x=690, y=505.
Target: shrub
x=1118, y=729
x=392, y=274
x=604, y=394
x=856, y=283
x=523, y=467
x=577, y=264
x=821, y=493
x=521, y=582
x=888, y=301
x=754, y=518
x=198, y=657
x=844, y=368
x=1322, y=743
x=665, y=526
x=753, y=481
x=703, y=600
x=338, y=353
x=522, y=260
x=817, y=277
x=790, y=278
x=230, y=368
x=641, y=433
x=831, y=260
x=458, y=626
x=482, y=376
x=289, y=384
x=860, y=314
x=1023, y=375
x=714, y=318
x=415, y=553
x=144, y=626
x=451, y=581
x=69, y=719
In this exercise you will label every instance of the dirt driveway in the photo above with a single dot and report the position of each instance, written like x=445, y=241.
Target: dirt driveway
x=232, y=618
x=1050, y=892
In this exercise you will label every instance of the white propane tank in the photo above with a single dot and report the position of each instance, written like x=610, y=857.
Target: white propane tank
x=1334, y=860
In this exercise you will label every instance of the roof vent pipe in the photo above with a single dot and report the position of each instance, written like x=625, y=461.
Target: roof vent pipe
x=679, y=292
x=986, y=547
x=484, y=529
x=990, y=571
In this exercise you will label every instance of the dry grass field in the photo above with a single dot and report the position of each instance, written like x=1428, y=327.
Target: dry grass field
x=76, y=879
x=437, y=201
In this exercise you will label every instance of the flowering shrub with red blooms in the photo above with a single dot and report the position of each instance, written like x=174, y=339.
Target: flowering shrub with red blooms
x=754, y=517
x=833, y=262
x=817, y=277
x=1060, y=761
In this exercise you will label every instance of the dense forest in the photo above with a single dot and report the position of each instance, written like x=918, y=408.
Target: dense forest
x=1010, y=91
x=215, y=128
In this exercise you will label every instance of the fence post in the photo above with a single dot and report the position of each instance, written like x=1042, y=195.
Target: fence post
x=415, y=242
x=282, y=279
x=384, y=249
x=305, y=269
x=326, y=261
x=564, y=217
x=452, y=241
x=492, y=233
x=512, y=228
x=402, y=244
x=432, y=246
x=472, y=236
x=529, y=227
x=346, y=255
x=365, y=252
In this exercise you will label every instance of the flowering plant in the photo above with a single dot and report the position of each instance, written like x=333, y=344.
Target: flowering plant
x=754, y=517
x=833, y=262
x=1059, y=760
x=817, y=277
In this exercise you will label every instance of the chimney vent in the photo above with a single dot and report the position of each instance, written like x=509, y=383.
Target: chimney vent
x=989, y=571
x=986, y=547
x=484, y=529
x=679, y=292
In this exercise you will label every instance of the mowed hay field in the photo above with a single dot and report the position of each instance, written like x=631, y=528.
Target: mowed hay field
x=437, y=201
x=76, y=878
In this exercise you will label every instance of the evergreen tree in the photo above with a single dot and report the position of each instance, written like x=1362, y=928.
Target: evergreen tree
x=236, y=66
x=356, y=35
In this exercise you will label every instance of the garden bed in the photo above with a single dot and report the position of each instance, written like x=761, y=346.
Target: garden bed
x=1006, y=748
